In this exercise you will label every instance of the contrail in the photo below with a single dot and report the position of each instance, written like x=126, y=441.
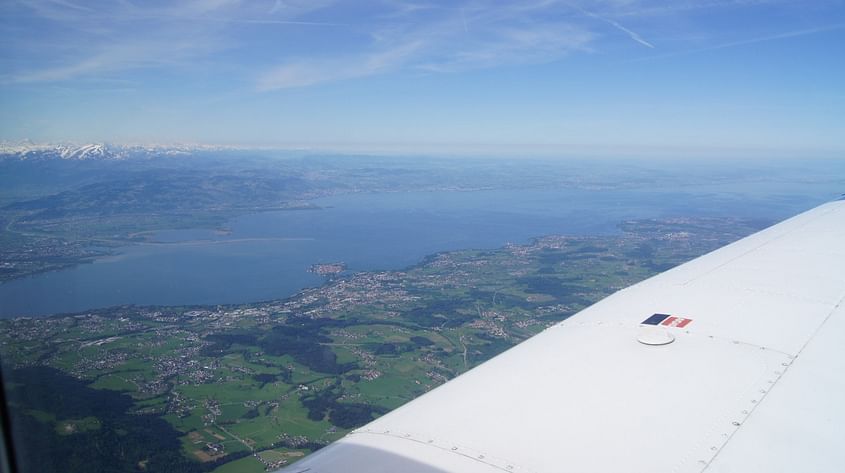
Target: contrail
x=631, y=34
x=761, y=39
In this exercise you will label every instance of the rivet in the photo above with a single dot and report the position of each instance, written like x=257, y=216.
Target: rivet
x=745, y=412
x=713, y=448
x=481, y=457
x=735, y=424
x=454, y=448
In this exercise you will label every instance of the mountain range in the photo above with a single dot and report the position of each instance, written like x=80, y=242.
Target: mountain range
x=92, y=151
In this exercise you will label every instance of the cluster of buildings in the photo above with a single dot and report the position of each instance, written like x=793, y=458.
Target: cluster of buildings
x=38, y=254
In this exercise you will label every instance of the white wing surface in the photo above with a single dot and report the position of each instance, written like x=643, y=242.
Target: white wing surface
x=752, y=379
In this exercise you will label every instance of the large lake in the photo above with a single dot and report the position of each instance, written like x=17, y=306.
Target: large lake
x=267, y=255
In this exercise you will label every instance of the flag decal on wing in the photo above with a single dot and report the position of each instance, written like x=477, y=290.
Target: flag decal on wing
x=667, y=321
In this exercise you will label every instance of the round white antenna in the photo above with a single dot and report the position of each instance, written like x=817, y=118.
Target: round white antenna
x=651, y=335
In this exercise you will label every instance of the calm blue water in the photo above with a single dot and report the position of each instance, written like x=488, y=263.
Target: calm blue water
x=267, y=255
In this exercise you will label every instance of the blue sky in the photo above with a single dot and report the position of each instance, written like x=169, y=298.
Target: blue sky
x=613, y=76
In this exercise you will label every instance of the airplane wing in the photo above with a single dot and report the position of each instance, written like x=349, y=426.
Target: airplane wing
x=732, y=362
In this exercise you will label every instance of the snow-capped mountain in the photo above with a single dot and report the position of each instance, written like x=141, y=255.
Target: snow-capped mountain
x=95, y=151
x=33, y=151
x=92, y=151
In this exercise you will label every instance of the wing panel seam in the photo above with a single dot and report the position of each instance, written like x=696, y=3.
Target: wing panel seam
x=779, y=377
x=494, y=462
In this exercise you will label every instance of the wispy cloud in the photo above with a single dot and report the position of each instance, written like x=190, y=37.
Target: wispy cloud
x=71, y=5
x=668, y=8
x=470, y=36
x=107, y=37
x=310, y=72
x=255, y=21
x=120, y=57
x=352, y=40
